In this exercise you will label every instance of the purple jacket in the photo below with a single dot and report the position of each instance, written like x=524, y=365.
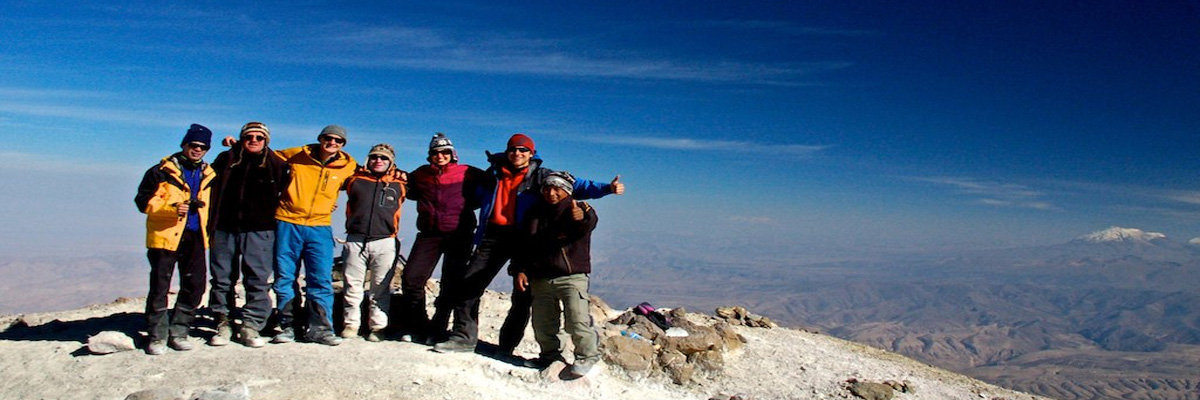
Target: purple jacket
x=444, y=197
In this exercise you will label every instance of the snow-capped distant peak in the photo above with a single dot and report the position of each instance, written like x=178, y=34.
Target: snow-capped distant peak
x=1119, y=234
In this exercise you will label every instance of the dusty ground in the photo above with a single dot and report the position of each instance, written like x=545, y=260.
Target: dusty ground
x=47, y=360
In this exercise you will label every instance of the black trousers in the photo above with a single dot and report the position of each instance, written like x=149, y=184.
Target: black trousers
x=495, y=250
x=454, y=249
x=519, y=312
x=162, y=322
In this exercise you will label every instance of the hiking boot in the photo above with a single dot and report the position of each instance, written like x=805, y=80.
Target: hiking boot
x=542, y=362
x=350, y=331
x=375, y=336
x=454, y=346
x=582, y=367
x=406, y=338
x=250, y=337
x=288, y=335
x=180, y=343
x=156, y=347
x=224, y=332
x=326, y=338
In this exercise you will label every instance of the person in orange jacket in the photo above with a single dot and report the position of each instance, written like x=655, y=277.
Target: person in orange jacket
x=173, y=194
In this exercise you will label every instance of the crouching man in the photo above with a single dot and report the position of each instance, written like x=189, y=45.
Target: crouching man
x=554, y=265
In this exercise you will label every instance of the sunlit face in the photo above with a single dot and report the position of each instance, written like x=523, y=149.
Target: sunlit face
x=553, y=194
x=378, y=164
x=441, y=157
x=194, y=151
x=519, y=156
x=254, y=142
x=330, y=145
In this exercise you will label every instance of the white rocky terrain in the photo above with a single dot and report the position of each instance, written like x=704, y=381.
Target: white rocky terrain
x=45, y=357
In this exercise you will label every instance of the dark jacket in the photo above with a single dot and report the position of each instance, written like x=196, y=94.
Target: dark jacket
x=445, y=197
x=246, y=190
x=528, y=192
x=373, y=204
x=553, y=244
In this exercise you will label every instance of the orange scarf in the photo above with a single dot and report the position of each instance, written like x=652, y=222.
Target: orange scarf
x=504, y=212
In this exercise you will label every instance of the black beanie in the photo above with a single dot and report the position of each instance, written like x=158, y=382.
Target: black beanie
x=197, y=133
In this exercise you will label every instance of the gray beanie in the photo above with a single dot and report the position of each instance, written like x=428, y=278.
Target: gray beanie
x=334, y=130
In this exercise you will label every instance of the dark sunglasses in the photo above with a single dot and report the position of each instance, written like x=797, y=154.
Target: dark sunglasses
x=378, y=157
x=442, y=152
x=198, y=145
x=254, y=138
x=518, y=149
x=334, y=139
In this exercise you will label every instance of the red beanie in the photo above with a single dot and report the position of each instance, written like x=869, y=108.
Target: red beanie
x=520, y=140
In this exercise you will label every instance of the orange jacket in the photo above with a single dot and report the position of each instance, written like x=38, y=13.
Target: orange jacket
x=310, y=197
x=161, y=190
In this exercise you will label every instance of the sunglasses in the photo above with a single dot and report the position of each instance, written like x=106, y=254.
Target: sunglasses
x=374, y=157
x=254, y=138
x=335, y=139
x=518, y=149
x=442, y=152
x=197, y=145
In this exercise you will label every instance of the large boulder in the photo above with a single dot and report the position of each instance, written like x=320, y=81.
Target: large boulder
x=699, y=338
x=109, y=342
x=711, y=361
x=630, y=354
x=871, y=390
x=733, y=340
x=676, y=365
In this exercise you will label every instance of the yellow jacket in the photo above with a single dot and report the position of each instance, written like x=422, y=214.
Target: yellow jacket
x=312, y=193
x=161, y=190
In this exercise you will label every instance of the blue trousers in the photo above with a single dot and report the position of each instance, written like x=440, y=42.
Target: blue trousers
x=314, y=246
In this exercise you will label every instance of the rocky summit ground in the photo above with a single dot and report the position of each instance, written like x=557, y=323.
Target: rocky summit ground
x=45, y=357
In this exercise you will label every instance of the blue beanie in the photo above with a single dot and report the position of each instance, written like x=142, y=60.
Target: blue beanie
x=197, y=133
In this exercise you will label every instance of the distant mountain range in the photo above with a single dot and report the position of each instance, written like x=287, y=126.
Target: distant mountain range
x=1109, y=314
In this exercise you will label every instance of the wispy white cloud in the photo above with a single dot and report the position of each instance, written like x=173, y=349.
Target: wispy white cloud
x=688, y=144
x=427, y=49
x=788, y=28
x=1189, y=197
x=753, y=220
x=996, y=194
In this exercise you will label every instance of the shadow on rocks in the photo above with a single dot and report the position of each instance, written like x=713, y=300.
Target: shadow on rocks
x=75, y=331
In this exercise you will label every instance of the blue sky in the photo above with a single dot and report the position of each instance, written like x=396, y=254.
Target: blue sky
x=831, y=128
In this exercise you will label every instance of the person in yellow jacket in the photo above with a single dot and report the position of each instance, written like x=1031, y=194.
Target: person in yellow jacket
x=173, y=194
x=304, y=232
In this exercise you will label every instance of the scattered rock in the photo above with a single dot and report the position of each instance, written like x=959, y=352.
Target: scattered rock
x=738, y=315
x=627, y=353
x=156, y=394
x=711, y=360
x=234, y=391
x=733, y=340
x=676, y=365
x=699, y=338
x=109, y=342
x=902, y=387
x=871, y=390
x=723, y=396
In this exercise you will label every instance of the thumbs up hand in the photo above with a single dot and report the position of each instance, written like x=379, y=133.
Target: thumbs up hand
x=618, y=188
x=577, y=208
